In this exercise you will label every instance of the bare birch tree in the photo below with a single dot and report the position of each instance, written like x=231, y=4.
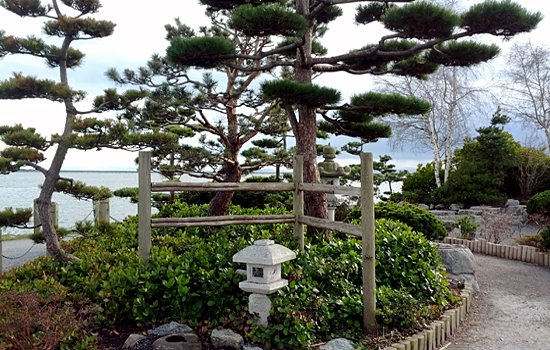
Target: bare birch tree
x=527, y=88
x=454, y=100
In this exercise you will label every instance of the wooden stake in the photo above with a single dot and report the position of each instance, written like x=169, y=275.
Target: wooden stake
x=144, y=205
x=298, y=204
x=367, y=225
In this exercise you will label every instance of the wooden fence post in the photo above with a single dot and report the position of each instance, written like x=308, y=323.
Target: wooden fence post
x=368, y=239
x=298, y=203
x=54, y=216
x=101, y=211
x=144, y=205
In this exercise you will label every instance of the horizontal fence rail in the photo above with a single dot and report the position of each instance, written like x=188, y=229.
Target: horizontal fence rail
x=220, y=187
x=353, y=230
x=298, y=218
x=222, y=220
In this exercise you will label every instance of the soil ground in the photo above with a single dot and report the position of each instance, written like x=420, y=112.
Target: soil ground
x=512, y=311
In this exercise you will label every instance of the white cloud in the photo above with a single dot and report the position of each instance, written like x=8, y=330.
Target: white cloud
x=140, y=32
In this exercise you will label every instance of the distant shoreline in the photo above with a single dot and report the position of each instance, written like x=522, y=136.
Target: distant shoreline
x=81, y=171
x=126, y=171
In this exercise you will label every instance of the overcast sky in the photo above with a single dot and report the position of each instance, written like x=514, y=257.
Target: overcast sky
x=140, y=32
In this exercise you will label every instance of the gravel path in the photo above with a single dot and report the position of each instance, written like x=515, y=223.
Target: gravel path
x=512, y=311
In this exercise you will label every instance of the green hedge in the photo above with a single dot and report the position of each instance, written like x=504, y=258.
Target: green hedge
x=191, y=278
x=539, y=204
x=421, y=220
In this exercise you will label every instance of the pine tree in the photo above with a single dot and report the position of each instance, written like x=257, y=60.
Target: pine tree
x=424, y=36
x=223, y=107
x=25, y=146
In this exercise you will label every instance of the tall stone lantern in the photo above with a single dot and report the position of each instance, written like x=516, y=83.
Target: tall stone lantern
x=330, y=173
x=263, y=271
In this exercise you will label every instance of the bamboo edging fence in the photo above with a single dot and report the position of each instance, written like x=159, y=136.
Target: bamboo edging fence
x=365, y=231
x=523, y=253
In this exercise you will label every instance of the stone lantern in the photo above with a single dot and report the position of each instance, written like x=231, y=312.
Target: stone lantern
x=263, y=271
x=330, y=173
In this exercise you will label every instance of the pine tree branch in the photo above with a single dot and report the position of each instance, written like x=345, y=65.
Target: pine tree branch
x=36, y=167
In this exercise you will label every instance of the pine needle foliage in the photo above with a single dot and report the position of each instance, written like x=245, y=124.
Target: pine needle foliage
x=378, y=103
x=20, y=87
x=463, y=53
x=17, y=217
x=421, y=19
x=272, y=19
x=503, y=18
x=292, y=92
x=30, y=8
x=370, y=12
x=205, y=52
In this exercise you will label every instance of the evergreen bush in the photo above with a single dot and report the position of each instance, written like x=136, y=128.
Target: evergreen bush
x=539, y=204
x=190, y=277
x=545, y=235
x=419, y=219
x=467, y=227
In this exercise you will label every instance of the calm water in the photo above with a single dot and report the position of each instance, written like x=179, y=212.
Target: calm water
x=18, y=190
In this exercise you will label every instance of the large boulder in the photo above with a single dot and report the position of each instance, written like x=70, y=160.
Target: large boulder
x=182, y=341
x=170, y=328
x=459, y=263
x=338, y=344
x=132, y=341
x=226, y=339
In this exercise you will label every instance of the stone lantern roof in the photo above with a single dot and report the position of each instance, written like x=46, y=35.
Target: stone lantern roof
x=264, y=252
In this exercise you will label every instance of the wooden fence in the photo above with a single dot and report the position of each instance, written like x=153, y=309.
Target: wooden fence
x=298, y=218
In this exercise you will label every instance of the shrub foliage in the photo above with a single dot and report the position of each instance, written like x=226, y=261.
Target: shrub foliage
x=419, y=219
x=191, y=278
x=539, y=204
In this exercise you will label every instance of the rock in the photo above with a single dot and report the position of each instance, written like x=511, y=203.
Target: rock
x=251, y=347
x=132, y=340
x=449, y=224
x=439, y=213
x=459, y=263
x=423, y=206
x=170, y=328
x=338, y=344
x=512, y=203
x=181, y=341
x=440, y=207
x=226, y=338
x=473, y=211
x=456, y=207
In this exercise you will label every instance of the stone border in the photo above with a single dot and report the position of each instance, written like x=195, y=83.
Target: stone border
x=523, y=253
x=435, y=334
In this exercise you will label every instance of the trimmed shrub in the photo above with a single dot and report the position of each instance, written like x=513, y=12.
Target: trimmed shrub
x=324, y=294
x=467, y=227
x=531, y=240
x=539, y=204
x=191, y=278
x=421, y=220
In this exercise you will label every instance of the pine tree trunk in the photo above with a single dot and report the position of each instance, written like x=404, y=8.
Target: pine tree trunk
x=48, y=187
x=306, y=136
x=219, y=205
x=315, y=203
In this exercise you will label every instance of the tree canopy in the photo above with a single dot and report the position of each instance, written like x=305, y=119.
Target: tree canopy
x=64, y=22
x=423, y=36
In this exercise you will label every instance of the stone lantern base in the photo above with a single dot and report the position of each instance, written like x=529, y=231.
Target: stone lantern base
x=260, y=306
